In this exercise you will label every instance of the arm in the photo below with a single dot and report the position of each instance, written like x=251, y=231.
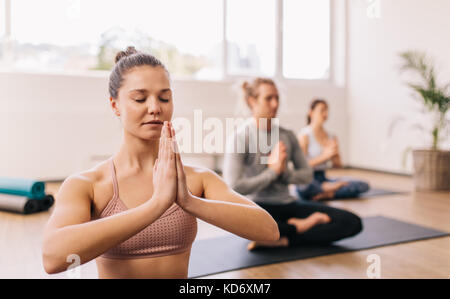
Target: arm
x=223, y=207
x=70, y=231
x=302, y=172
x=231, y=211
x=336, y=160
x=233, y=174
x=303, y=141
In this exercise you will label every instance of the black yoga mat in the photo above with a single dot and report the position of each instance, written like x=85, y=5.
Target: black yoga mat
x=373, y=192
x=228, y=253
x=24, y=205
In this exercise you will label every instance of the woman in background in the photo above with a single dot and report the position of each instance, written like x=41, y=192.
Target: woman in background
x=322, y=151
x=264, y=178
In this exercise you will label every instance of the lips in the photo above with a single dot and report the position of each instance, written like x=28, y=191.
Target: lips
x=154, y=122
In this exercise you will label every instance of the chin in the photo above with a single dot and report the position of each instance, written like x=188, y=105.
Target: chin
x=152, y=137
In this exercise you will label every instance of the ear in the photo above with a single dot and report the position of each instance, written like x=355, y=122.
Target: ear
x=113, y=103
x=252, y=102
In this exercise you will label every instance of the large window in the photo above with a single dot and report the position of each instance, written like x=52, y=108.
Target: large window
x=306, y=39
x=84, y=34
x=192, y=37
x=251, y=37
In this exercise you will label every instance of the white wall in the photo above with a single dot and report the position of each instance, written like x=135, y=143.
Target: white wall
x=376, y=91
x=54, y=125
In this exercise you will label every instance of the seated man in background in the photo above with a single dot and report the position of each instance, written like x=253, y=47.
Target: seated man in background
x=266, y=184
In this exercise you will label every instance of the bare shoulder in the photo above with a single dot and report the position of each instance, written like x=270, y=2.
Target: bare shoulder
x=302, y=137
x=73, y=201
x=83, y=182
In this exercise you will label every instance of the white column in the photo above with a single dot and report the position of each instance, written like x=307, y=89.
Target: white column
x=279, y=39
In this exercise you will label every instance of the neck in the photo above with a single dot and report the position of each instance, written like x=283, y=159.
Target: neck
x=138, y=154
x=316, y=126
x=265, y=124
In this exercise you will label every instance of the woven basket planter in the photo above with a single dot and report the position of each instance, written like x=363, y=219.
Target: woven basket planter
x=431, y=170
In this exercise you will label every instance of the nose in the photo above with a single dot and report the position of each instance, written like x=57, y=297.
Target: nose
x=274, y=104
x=154, y=106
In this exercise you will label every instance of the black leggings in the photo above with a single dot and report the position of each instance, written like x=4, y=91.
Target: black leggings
x=343, y=224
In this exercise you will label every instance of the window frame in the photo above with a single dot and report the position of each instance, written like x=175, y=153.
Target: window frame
x=226, y=76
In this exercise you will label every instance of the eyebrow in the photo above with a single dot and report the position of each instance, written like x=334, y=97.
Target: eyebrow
x=145, y=90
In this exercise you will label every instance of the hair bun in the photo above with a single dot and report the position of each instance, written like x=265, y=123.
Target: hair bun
x=129, y=51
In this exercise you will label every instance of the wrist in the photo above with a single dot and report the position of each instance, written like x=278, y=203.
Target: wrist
x=189, y=204
x=275, y=169
x=326, y=157
x=271, y=173
x=156, y=204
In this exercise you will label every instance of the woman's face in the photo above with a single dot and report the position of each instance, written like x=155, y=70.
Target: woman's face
x=319, y=114
x=144, y=96
x=267, y=102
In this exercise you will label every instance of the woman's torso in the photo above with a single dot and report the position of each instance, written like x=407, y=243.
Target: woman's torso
x=256, y=155
x=316, y=143
x=133, y=191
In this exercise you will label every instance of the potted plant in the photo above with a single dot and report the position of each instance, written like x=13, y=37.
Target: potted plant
x=431, y=165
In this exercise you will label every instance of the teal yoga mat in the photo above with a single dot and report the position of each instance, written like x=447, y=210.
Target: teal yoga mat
x=22, y=187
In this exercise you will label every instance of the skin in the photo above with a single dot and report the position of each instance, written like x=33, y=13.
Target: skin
x=319, y=116
x=151, y=178
x=265, y=105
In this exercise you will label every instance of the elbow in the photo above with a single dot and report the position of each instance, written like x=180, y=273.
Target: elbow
x=309, y=176
x=52, y=262
x=274, y=233
x=49, y=269
x=270, y=231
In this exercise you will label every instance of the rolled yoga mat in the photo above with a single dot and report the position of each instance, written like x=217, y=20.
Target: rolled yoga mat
x=229, y=253
x=24, y=205
x=22, y=187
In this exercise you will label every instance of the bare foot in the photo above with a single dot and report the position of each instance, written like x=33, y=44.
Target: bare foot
x=332, y=186
x=329, y=189
x=282, y=242
x=321, y=218
x=323, y=195
x=302, y=225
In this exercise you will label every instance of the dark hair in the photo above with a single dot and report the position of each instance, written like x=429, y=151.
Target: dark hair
x=313, y=105
x=126, y=60
x=250, y=89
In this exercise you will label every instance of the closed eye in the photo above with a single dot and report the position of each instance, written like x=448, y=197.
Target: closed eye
x=143, y=100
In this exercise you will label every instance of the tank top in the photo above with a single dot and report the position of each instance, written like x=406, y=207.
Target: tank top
x=314, y=148
x=173, y=232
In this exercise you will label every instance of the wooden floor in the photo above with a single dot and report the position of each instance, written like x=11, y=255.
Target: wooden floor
x=21, y=239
